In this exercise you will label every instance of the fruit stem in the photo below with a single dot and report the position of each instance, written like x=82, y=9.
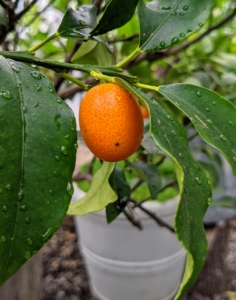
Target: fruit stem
x=102, y=77
x=147, y=87
x=77, y=81
x=136, y=52
x=39, y=45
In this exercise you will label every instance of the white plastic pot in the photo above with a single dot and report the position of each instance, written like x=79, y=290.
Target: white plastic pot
x=124, y=263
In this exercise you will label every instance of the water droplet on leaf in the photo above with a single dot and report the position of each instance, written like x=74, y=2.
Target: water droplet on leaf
x=4, y=208
x=29, y=242
x=198, y=180
x=5, y=94
x=8, y=187
x=70, y=189
x=36, y=74
x=64, y=150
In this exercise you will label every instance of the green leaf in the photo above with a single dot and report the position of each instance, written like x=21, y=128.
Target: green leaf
x=212, y=173
x=165, y=23
x=212, y=115
x=99, y=195
x=119, y=184
x=151, y=174
x=37, y=158
x=115, y=15
x=195, y=190
x=3, y=18
x=225, y=202
x=77, y=24
x=94, y=53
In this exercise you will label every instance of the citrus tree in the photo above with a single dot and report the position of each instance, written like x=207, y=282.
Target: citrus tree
x=147, y=49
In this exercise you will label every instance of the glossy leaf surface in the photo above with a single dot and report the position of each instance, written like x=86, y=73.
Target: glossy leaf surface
x=151, y=175
x=121, y=187
x=99, y=195
x=116, y=15
x=195, y=191
x=213, y=116
x=165, y=23
x=37, y=157
x=77, y=24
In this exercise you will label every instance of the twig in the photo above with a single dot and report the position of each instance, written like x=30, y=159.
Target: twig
x=59, y=80
x=71, y=91
x=82, y=176
x=159, y=221
x=37, y=15
x=3, y=4
x=128, y=39
x=135, y=222
x=24, y=11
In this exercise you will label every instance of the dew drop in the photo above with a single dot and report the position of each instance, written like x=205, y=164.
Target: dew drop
x=23, y=207
x=25, y=109
x=165, y=7
x=20, y=195
x=198, y=180
x=185, y=7
x=51, y=89
x=8, y=187
x=27, y=255
x=208, y=109
x=59, y=100
x=200, y=24
x=51, y=192
x=67, y=136
x=76, y=146
x=174, y=13
x=160, y=122
x=223, y=137
x=55, y=173
x=57, y=157
x=171, y=118
x=64, y=150
x=36, y=104
x=182, y=34
x=29, y=242
x=38, y=88
x=174, y=40
x=3, y=239
x=155, y=48
x=15, y=69
x=5, y=94
x=199, y=94
x=180, y=155
x=4, y=208
x=209, y=201
x=231, y=123
x=70, y=189
x=182, y=14
x=162, y=44
x=174, y=132
x=208, y=182
x=209, y=121
x=189, y=31
x=47, y=234
x=214, y=103
x=27, y=220
x=36, y=74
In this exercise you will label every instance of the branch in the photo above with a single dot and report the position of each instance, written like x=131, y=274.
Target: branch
x=24, y=11
x=3, y=4
x=71, y=91
x=153, y=56
x=127, y=39
x=132, y=218
x=159, y=221
x=59, y=80
x=98, y=4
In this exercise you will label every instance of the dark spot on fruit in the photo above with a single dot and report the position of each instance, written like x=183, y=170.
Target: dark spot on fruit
x=117, y=144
